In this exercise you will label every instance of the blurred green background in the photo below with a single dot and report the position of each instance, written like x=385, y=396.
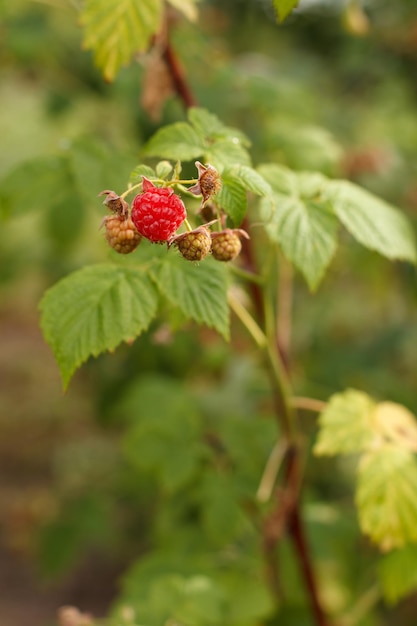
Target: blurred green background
x=330, y=90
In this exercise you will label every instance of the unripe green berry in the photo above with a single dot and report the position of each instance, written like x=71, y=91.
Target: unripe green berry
x=194, y=245
x=226, y=245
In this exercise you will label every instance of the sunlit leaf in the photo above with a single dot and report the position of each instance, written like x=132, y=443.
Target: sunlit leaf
x=116, y=29
x=187, y=8
x=386, y=496
x=93, y=310
x=396, y=424
x=346, y=424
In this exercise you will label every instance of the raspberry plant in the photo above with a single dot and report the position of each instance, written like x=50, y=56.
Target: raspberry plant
x=228, y=489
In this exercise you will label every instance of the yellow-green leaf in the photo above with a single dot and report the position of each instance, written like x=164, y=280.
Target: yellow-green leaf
x=187, y=8
x=386, y=496
x=116, y=29
x=284, y=8
x=396, y=424
x=345, y=424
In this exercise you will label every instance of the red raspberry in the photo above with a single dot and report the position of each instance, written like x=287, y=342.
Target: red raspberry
x=226, y=245
x=121, y=233
x=157, y=212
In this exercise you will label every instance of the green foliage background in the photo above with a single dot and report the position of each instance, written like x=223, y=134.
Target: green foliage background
x=157, y=449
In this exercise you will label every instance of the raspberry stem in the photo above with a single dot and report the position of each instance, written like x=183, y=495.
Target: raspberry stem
x=163, y=183
x=188, y=225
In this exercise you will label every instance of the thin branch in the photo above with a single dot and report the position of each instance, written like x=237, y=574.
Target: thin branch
x=284, y=310
x=178, y=76
x=310, y=404
x=271, y=470
x=299, y=540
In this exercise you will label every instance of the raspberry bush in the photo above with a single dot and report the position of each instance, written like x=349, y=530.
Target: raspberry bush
x=223, y=480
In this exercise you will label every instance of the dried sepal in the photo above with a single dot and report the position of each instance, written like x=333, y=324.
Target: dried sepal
x=209, y=182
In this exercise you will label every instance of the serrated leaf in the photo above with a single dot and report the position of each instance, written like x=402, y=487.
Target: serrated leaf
x=284, y=8
x=345, y=424
x=223, y=153
x=177, y=141
x=252, y=180
x=200, y=291
x=209, y=126
x=398, y=573
x=232, y=197
x=386, y=496
x=299, y=219
x=93, y=310
x=116, y=29
x=205, y=123
x=374, y=223
x=187, y=8
x=137, y=174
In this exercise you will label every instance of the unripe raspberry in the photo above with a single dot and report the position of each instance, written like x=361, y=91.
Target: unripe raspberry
x=157, y=212
x=226, y=244
x=121, y=234
x=194, y=245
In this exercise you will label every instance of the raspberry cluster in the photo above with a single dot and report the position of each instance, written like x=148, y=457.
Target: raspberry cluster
x=157, y=213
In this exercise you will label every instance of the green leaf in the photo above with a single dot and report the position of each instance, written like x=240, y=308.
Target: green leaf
x=116, y=29
x=137, y=174
x=209, y=126
x=374, y=223
x=232, y=197
x=299, y=219
x=346, y=424
x=177, y=141
x=284, y=8
x=226, y=152
x=94, y=309
x=386, y=496
x=200, y=291
x=187, y=7
x=252, y=180
x=205, y=123
x=398, y=573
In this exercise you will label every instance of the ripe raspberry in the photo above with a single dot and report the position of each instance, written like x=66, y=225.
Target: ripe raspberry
x=226, y=245
x=157, y=212
x=121, y=234
x=194, y=245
